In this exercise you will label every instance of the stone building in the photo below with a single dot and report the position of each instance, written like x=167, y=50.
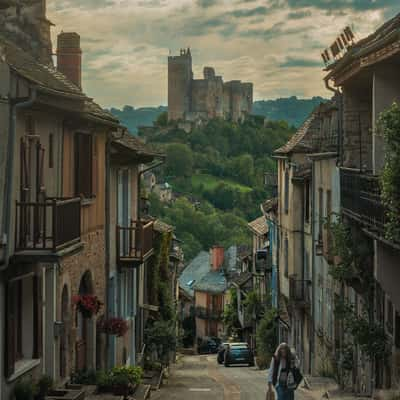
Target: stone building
x=192, y=99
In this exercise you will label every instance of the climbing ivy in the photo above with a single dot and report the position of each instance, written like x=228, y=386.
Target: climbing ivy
x=389, y=126
x=230, y=318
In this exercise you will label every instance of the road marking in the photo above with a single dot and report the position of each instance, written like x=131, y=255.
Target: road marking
x=199, y=390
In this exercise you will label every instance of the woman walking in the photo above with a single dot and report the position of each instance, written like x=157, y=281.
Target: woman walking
x=283, y=373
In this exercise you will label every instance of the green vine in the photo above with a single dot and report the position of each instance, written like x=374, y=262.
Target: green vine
x=230, y=317
x=389, y=125
x=366, y=333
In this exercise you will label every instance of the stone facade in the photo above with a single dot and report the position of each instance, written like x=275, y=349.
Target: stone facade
x=192, y=99
x=25, y=23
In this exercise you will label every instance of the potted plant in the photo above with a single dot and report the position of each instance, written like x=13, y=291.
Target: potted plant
x=44, y=385
x=114, y=326
x=88, y=305
x=125, y=380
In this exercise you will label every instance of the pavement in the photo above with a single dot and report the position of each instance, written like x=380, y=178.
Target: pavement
x=202, y=378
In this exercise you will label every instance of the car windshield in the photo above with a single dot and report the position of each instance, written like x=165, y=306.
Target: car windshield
x=238, y=350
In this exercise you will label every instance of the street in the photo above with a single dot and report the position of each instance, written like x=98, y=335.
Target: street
x=200, y=377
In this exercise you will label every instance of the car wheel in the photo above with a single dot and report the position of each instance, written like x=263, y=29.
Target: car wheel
x=227, y=365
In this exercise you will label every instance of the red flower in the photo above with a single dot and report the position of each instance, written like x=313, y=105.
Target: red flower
x=88, y=305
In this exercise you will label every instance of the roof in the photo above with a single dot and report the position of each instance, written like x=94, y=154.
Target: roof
x=270, y=205
x=299, y=141
x=162, y=227
x=387, y=36
x=194, y=272
x=212, y=282
x=242, y=279
x=196, y=275
x=259, y=226
x=49, y=80
x=131, y=142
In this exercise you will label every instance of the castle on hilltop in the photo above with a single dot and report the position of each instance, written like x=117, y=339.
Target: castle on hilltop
x=202, y=99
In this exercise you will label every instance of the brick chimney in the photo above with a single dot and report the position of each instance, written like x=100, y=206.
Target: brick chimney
x=69, y=56
x=217, y=257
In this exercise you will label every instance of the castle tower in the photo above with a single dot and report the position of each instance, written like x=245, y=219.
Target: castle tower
x=24, y=22
x=180, y=78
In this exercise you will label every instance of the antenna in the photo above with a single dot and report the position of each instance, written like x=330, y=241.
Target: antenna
x=339, y=47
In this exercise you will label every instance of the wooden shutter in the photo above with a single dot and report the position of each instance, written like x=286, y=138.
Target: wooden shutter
x=37, y=316
x=94, y=166
x=10, y=330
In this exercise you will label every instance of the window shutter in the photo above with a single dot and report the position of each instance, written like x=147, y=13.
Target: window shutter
x=94, y=166
x=37, y=317
x=10, y=331
x=83, y=165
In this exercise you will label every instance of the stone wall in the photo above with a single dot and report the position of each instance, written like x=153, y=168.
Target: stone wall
x=72, y=269
x=25, y=23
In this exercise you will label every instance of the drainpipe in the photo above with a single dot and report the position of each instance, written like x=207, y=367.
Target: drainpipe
x=9, y=189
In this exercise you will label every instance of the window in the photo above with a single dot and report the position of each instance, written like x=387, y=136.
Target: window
x=83, y=165
x=23, y=330
x=51, y=150
x=307, y=202
x=286, y=191
x=286, y=255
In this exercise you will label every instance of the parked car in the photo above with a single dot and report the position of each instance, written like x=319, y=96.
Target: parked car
x=236, y=354
x=208, y=346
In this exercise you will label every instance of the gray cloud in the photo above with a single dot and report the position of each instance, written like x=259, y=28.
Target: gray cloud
x=243, y=13
x=359, y=5
x=206, y=3
x=299, y=14
x=294, y=62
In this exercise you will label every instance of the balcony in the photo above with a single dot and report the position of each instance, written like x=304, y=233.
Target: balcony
x=134, y=243
x=47, y=227
x=209, y=313
x=361, y=199
x=263, y=261
x=300, y=292
x=328, y=142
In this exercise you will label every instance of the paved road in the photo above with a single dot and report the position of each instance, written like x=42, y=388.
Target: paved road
x=201, y=378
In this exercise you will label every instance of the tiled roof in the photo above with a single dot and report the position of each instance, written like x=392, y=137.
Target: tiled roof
x=194, y=272
x=44, y=76
x=270, y=205
x=212, y=282
x=300, y=141
x=48, y=79
x=242, y=279
x=259, y=225
x=134, y=143
x=160, y=226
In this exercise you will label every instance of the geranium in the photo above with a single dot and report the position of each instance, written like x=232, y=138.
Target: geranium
x=114, y=326
x=88, y=305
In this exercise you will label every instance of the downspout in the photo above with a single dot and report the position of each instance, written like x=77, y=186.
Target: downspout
x=9, y=184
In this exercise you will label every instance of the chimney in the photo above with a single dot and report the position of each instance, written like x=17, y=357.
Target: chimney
x=69, y=56
x=217, y=257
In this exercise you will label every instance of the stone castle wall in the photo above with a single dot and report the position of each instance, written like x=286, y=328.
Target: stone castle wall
x=201, y=99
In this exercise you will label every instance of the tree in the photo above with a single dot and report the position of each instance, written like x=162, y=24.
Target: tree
x=179, y=160
x=162, y=119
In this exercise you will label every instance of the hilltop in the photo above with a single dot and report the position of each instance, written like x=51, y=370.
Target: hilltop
x=292, y=110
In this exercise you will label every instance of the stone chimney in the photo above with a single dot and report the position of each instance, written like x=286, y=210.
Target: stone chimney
x=24, y=23
x=217, y=257
x=69, y=56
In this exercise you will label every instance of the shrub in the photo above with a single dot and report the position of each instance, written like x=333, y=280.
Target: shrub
x=44, y=385
x=267, y=337
x=25, y=390
x=84, y=377
x=132, y=375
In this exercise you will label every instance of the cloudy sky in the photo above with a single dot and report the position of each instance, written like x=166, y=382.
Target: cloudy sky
x=274, y=43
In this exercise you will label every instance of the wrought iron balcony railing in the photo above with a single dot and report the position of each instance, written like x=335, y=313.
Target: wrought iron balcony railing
x=208, y=313
x=134, y=243
x=361, y=199
x=50, y=225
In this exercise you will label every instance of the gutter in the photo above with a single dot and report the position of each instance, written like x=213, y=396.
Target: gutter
x=9, y=189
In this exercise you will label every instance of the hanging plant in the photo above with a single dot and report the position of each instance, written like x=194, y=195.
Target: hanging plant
x=88, y=305
x=114, y=326
x=389, y=126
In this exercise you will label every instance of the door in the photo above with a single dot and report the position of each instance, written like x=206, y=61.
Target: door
x=123, y=212
x=64, y=333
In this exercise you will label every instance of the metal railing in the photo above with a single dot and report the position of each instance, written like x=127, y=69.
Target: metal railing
x=208, y=313
x=329, y=142
x=49, y=225
x=135, y=242
x=361, y=198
